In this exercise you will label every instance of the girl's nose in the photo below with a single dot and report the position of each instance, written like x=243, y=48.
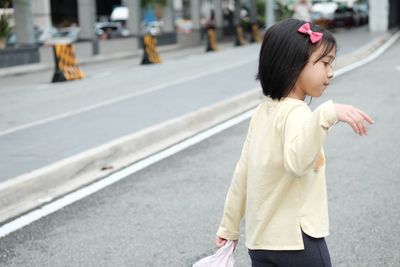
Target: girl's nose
x=330, y=73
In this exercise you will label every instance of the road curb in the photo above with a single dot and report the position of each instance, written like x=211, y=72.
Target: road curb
x=364, y=51
x=29, y=191
x=37, y=67
x=26, y=192
x=32, y=68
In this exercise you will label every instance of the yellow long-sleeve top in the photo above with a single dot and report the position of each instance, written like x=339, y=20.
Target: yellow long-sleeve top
x=279, y=181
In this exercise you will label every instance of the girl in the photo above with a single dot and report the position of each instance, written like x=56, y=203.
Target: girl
x=279, y=181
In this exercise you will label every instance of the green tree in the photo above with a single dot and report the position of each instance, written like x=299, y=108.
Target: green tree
x=145, y=3
x=5, y=28
x=283, y=12
x=5, y=3
x=261, y=11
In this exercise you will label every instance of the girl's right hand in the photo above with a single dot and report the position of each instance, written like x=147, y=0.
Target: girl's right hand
x=354, y=117
x=220, y=242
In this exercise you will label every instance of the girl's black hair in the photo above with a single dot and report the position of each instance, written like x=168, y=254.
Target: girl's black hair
x=285, y=52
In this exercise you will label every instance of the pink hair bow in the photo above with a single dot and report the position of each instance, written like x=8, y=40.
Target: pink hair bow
x=314, y=36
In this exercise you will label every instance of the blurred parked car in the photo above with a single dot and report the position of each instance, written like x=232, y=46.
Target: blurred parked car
x=153, y=27
x=184, y=25
x=64, y=35
x=109, y=30
x=319, y=19
x=323, y=13
x=346, y=17
x=66, y=32
x=120, y=13
x=37, y=35
x=363, y=11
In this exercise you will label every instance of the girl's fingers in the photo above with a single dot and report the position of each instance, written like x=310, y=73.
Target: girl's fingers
x=365, y=116
x=364, y=130
x=219, y=242
x=355, y=117
x=354, y=126
x=359, y=119
x=354, y=122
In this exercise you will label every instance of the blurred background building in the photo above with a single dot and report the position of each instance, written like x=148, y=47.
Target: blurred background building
x=27, y=24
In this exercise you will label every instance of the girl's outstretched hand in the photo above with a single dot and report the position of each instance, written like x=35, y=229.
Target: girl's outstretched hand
x=220, y=242
x=354, y=117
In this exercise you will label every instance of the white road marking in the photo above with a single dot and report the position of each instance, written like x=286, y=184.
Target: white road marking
x=371, y=57
x=122, y=98
x=58, y=204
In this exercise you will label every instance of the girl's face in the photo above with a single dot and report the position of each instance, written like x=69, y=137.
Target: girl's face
x=315, y=77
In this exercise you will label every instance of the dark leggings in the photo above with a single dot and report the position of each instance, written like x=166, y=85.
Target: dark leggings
x=315, y=254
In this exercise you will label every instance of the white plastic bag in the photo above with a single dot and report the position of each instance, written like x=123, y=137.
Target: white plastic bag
x=222, y=258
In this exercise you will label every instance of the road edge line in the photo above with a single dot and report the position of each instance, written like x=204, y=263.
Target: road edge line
x=29, y=191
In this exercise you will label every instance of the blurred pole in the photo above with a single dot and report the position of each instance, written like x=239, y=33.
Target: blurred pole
x=193, y=37
x=169, y=17
x=195, y=8
x=87, y=21
x=134, y=19
x=236, y=18
x=24, y=22
x=378, y=15
x=253, y=11
x=41, y=14
x=219, y=18
x=269, y=13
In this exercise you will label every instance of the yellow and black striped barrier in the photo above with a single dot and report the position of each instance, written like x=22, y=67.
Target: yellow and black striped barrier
x=240, y=39
x=65, y=64
x=150, y=55
x=211, y=40
x=255, y=34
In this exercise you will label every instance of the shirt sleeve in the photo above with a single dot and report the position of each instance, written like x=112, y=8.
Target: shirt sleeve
x=304, y=134
x=235, y=203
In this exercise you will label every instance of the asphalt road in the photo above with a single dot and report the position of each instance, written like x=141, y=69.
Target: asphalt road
x=41, y=123
x=167, y=214
x=84, y=114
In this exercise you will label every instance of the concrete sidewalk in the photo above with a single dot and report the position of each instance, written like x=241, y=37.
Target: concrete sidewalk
x=83, y=57
x=110, y=50
x=349, y=40
x=28, y=191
